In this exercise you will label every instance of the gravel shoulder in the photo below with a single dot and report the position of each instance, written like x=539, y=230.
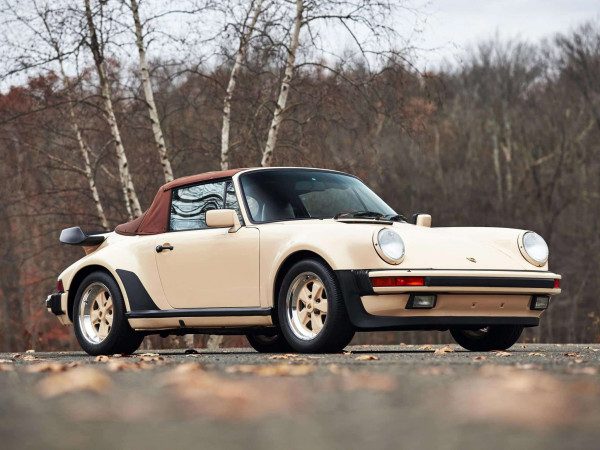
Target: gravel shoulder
x=533, y=396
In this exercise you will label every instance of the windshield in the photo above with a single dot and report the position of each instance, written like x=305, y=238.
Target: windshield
x=292, y=194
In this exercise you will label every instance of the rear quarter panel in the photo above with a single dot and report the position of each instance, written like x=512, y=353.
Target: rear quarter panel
x=132, y=253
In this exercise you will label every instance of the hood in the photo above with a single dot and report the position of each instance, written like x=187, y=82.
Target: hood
x=462, y=248
x=350, y=244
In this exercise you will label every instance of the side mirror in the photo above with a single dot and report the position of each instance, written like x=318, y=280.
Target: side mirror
x=422, y=220
x=223, y=218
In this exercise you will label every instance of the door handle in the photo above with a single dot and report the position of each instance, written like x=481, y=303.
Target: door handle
x=160, y=248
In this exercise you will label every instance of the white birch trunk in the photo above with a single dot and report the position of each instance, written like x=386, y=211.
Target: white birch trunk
x=239, y=59
x=497, y=168
x=507, y=150
x=149, y=95
x=85, y=154
x=267, y=156
x=83, y=147
x=131, y=200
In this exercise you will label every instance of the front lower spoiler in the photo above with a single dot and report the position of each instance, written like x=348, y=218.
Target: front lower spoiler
x=356, y=283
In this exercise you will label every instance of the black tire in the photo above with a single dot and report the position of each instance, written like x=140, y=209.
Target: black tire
x=337, y=331
x=269, y=343
x=121, y=338
x=497, y=337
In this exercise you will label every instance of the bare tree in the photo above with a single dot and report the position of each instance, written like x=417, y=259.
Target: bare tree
x=245, y=35
x=367, y=24
x=131, y=200
x=290, y=65
x=581, y=63
x=81, y=143
x=48, y=29
x=149, y=94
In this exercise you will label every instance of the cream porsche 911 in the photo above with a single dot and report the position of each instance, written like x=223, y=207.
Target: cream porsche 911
x=296, y=259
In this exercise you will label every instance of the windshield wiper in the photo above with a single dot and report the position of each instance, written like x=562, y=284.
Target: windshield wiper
x=359, y=214
x=395, y=217
x=371, y=215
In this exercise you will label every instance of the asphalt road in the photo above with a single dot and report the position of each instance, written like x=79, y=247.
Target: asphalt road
x=534, y=396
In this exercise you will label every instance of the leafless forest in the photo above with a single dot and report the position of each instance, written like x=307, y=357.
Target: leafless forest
x=105, y=100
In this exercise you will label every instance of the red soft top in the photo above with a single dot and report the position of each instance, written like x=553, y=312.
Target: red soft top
x=155, y=219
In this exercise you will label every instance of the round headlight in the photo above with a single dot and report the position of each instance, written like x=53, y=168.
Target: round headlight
x=533, y=248
x=389, y=245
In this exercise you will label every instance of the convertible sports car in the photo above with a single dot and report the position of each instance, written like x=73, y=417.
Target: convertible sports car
x=296, y=259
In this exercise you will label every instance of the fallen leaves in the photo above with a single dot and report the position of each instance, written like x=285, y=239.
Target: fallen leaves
x=528, y=398
x=365, y=381
x=273, y=370
x=76, y=380
x=49, y=367
x=151, y=357
x=535, y=354
x=126, y=366
x=435, y=371
x=528, y=366
x=338, y=370
x=216, y=396
x=288, y=356
x=443, y=350
x=117, y=363
x=583, y=371
x=502, y=354
x=367, y=358
x=187, y=368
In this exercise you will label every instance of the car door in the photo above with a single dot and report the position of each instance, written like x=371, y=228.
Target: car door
x=203, y=267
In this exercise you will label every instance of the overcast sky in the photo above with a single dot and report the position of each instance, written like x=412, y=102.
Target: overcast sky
x=450, y=26
x=443, y=30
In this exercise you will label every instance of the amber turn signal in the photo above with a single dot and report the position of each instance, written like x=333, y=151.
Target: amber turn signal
x=397, y=281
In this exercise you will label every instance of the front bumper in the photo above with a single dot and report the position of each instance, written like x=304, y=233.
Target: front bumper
x=465, y=298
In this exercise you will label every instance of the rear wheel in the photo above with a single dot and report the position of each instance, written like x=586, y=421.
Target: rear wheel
x=268, y=343
x=311, y=310
x=493, y=337
x=99, y=317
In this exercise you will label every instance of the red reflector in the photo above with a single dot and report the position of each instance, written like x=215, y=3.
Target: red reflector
x=59, y=286
x=397, y=281
x=557, y=283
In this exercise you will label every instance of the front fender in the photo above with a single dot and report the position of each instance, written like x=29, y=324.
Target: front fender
x=340, y=246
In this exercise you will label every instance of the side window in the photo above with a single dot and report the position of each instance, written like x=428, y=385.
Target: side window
x=231, y=200
x=190, y=203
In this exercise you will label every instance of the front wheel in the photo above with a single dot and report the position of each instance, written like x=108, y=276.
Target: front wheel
x=311, y=310
x=99, y=317
x=493, y=337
